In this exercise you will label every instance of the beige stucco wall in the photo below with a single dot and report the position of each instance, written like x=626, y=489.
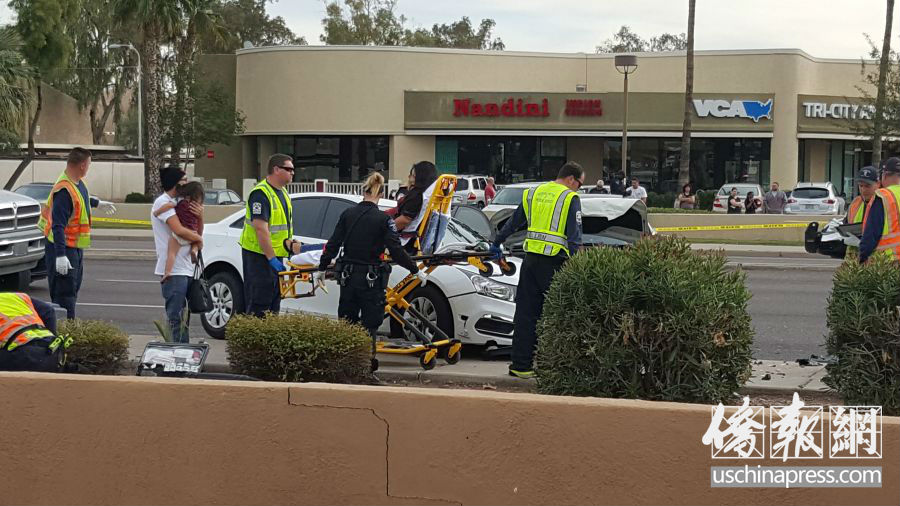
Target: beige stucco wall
x=405, y=150
x=227, y=161
x=589, y=153
x=108, y=180
x=127, y=440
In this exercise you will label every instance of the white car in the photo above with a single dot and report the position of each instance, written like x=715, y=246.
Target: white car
x=815, y=198
x=474, y=308
x=508, y=198
x=470, y=191
x=720, y=205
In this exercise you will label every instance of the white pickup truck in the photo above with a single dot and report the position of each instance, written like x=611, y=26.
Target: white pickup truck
x=21, y=243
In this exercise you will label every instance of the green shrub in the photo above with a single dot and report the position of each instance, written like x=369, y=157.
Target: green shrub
x=864, y=333
x=298, y=347
x=666, y=200
x=99, y=347
x=706, y=199
x=656, y=321
x=137, y=198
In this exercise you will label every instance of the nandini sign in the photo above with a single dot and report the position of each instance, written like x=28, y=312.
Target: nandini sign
x=512, y=108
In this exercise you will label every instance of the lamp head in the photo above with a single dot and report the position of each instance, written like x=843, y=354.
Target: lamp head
x=626, y=63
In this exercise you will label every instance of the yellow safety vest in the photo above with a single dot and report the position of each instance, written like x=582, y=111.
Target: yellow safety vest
x=547, y=209
x=889, y=244
x=78, y=229
x=19, y=321
x=279, y=222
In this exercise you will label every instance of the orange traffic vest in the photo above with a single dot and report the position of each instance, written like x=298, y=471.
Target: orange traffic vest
x=19, y=321
x=856, y=209
x=890, y=235
x=78, y=228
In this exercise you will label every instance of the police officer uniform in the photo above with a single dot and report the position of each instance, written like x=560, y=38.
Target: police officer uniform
x=364, y=231
x=272, y=205
x=881, y=222
x=552, y=213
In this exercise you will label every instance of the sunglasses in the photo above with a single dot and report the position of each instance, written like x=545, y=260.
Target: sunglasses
x=289, y=169
x=580, y=182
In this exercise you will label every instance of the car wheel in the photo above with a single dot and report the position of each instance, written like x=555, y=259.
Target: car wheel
x=227, y=294
x=479, y=205
x=17, y=281
x=429, y=301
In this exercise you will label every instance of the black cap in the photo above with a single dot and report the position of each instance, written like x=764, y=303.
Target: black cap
x=867, y=175
x=892, y=165
x=170, y=176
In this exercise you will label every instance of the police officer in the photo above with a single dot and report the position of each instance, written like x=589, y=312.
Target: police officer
x=66, y=222
x=867, y=182
x=552, y=212
x=27, y=340
x=881, y=221
x=267, y=237
x=364, y=231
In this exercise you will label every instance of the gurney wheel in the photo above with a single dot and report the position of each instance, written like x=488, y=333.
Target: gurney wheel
x=427, y=365
x=488, y=270
x=452, y=359
x=510, y=269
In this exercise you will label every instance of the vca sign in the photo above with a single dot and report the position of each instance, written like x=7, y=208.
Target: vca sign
x=750, y=109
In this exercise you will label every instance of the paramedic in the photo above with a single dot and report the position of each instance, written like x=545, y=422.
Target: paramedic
x=267, y=237
x=552, y=213
x=27, y=335
x=364, y=231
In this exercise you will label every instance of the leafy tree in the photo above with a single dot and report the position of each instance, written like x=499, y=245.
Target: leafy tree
x=42, y=26
x=626, y=41
x=221, y=122
x=889, y=113
x=15, y=88
x=459, y=34
x=247, y=21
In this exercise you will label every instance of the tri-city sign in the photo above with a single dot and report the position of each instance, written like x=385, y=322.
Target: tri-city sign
x=838, y=110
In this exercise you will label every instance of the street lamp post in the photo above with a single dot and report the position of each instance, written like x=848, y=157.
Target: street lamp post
x=625, y=64
x=140, y=92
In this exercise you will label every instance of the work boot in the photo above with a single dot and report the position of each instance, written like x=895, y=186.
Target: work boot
x=521, y=373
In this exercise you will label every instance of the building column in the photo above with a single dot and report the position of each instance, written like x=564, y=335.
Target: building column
x=265, y=148
x=587, y=152
x=249, y=158
x=406, y=150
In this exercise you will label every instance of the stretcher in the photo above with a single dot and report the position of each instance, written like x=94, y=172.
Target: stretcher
x=427, y=239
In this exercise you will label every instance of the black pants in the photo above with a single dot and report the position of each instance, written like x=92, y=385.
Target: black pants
x=46, y=312
x=261, y=291
x=361, y=304
x=34, y=356
x=64, y=289
x=534, y=281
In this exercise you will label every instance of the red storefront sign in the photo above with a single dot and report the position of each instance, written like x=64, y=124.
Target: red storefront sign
x=578, y=107
x=512, y=108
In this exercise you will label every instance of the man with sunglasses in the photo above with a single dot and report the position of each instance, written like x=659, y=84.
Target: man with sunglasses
x=267, y=237
x=552, y=213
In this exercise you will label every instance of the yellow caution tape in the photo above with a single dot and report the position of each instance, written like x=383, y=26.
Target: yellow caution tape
x=117, y=220
x=731, y=227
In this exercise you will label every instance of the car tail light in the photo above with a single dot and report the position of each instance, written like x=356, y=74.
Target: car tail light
x=718, y=203
x=828, y=201
x=792, y=201
x=472, y=196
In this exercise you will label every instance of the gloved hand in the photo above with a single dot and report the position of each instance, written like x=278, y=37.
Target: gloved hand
x=496, y=252
x=318, y=278
x=107, y=207
x=423, y=278
x=277, y=265
x=63, y=265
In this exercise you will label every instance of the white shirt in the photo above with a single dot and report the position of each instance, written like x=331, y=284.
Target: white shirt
x=161, y=235
x=636, y=193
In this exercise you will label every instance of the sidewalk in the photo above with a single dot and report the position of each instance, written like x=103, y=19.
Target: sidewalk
x=783, y=377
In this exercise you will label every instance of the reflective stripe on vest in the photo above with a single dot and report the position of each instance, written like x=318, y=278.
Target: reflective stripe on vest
x=16, y=314
x=547, y=209
x=889, y=243
x=857, y=210
x=279, y=222
x=78, y=229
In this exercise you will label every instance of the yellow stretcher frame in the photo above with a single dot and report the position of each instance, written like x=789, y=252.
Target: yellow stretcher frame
x=396, y=305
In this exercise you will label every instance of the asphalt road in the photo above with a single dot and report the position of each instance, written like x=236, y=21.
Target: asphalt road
x=788, y=304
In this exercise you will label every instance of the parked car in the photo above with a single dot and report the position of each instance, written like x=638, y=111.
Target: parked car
x=215, y=197
x=463, y=303
x=37, y=191
x=815, y=198
x=470, y=190
x=720, y=205
x=21, y=242
x=508, y=198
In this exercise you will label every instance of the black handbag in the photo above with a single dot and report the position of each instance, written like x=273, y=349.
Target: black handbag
x=198, y=296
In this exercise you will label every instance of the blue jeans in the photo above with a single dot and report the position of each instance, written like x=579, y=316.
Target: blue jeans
x=174, y=291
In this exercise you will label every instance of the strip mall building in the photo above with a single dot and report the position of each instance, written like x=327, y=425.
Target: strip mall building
x=759, y=116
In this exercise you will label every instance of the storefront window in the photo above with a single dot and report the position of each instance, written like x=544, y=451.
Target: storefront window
x=507, y=159
x=335, y=158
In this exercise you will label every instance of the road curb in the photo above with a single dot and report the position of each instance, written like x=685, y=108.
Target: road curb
x=120, y=255
x=784, y=267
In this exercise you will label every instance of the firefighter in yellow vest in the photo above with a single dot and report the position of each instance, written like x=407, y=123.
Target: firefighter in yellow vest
x=268, y=237
x=867, y=182
x=552, y=213
x=28, y=339
x=66, y=222
x=881, y=221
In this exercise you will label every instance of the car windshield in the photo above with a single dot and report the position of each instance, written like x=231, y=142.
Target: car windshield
x=742, y=190
x=462, y=184
x=810, y=193
x=509, y=197
x=459, y=232
x=37, y=192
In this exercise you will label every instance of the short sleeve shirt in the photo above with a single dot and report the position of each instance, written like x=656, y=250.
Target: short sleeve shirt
x=259, y=205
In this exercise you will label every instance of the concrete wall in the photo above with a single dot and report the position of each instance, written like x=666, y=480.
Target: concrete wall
x=133, y=440
x=106, y=180
x=211, y=214
x=406, y=150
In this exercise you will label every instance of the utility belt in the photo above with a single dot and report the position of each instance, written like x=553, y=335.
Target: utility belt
x=376, y=275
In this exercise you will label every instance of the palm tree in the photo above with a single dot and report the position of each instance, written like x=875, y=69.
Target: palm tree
x=157, y=21
x=684, y=169
x=883, y=70
x=15, y=84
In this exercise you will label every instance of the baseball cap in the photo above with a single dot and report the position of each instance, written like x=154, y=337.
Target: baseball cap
x=892, y=164
x=867, y=174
